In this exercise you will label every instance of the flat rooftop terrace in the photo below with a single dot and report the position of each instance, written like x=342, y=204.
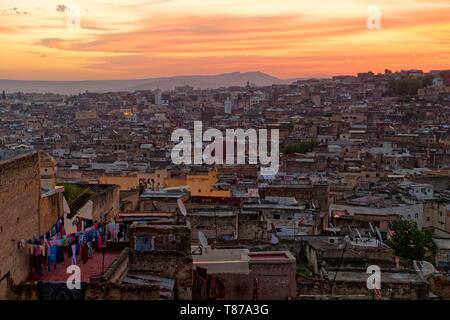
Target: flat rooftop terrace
x=93, y=267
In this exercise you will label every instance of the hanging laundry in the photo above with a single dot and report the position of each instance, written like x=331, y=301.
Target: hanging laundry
x=84, y=253
x=74, y=254
x=52, y=257
x=59, y=255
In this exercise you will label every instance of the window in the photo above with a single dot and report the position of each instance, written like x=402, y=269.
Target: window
x=428, y=218
x=144, y=244
x=276, y=216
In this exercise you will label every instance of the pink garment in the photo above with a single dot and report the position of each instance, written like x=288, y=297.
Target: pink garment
x=74, y=254
x=99, y=243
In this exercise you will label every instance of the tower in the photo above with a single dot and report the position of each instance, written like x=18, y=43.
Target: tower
x=158, y=97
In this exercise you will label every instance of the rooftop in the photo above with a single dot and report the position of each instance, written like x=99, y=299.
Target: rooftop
x=93, y=267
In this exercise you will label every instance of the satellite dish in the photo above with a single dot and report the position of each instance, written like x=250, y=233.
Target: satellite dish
x=379, y=234
x=274, y=239
x=359, y=234
x=182, y=207
x=203, y=239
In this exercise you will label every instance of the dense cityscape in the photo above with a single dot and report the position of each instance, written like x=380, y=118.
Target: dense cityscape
x=362, y=189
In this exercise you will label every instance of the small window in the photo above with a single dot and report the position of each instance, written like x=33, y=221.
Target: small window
x=144, y=244
x=428, y=218
x=276, y=216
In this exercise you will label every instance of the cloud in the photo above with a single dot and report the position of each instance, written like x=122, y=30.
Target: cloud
x=286, y=45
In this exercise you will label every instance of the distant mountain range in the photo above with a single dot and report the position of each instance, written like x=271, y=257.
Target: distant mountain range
x=166, y=83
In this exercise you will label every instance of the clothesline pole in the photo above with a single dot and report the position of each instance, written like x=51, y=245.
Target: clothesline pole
x=103, y=248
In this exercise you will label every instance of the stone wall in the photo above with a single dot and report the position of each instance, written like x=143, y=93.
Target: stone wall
x=395, y=291
x=106, y=201
x=440, y=285
x=93, y=291
x=167, y=238
x=51, y=208
x=212, y=226
x=252, y=230
x=164, y=264
x=113, y=291
x=276, y=280
x=19, y=215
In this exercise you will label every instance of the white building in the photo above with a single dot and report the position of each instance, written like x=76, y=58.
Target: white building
x=228, y=106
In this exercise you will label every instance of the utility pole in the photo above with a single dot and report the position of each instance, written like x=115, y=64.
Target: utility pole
x=339, y=267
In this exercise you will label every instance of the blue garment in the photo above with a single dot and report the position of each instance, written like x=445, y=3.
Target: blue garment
x=59, y=255
x=52, y=256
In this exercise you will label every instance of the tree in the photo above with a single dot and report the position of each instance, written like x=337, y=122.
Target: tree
x=405, y=86
x=408, y=241
x=300, y=147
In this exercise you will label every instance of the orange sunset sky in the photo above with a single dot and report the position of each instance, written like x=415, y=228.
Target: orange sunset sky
x=121, y=39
